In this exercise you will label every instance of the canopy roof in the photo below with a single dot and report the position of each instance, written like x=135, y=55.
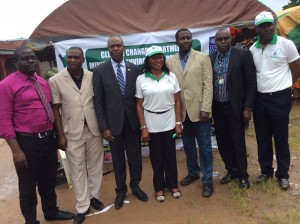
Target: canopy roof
x=288, y=24
x=78, y=18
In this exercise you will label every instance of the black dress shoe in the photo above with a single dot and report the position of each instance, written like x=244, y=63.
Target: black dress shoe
x=119, y=201
x=79, y=217
x=263, y=178
x=244, y=183
x=284, y=184
x=96, y=204
x=141, y=195
x=208, y=190
x=188, y=180
x=61, y=215
x=228, y=178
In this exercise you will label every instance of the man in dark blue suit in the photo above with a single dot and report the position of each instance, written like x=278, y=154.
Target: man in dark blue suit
x=234, y=95
x=115, y=106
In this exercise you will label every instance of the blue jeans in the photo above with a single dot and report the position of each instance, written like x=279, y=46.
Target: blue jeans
x=201, y=131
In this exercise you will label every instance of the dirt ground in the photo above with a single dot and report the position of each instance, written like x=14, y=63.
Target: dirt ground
x=260, y=204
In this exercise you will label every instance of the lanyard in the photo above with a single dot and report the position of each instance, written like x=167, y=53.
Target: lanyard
x=221, y=69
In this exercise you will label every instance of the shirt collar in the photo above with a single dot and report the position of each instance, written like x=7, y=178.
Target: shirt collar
x=273, y=41
x=225, y=53
x=114, y=64
x=24, y=76
x=185, y=57
x=149, y=75
x=81, y=77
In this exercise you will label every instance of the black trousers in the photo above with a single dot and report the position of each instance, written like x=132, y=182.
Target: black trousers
x=130, y=141
x=230, y=134
x=41, y=155
x=163, y=159
x=271, y=120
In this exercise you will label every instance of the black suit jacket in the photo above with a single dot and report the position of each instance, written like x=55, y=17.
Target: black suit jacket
x=241, y=80
x=110, y=104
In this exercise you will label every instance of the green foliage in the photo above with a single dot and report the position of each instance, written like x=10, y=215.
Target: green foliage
x=47, y=75
x=292, y=3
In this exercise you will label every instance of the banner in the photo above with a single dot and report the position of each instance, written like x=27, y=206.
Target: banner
x=96, y=52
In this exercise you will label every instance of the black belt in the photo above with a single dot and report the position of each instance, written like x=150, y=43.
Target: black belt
x=275, y=93
x=35, y=135
x=161, y=112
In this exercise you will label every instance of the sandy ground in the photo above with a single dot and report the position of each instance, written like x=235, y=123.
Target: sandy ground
x=222, y=208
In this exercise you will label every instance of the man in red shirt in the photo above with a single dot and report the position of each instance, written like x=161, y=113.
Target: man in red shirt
x=27, y=126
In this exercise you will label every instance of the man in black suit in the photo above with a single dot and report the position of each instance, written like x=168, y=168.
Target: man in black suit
x=234, y=96
x=115, y=105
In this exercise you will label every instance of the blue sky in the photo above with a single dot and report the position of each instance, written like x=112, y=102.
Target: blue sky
x=275, y=5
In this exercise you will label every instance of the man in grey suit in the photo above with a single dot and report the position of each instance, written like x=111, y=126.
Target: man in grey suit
x=115, y=105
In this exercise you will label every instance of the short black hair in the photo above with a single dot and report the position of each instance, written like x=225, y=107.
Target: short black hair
x=76, y=48
x=181, y=30
x=19, y=50
x=222, y=29
x=117, y=37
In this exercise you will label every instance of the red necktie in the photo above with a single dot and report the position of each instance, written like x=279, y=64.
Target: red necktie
x=43, y=98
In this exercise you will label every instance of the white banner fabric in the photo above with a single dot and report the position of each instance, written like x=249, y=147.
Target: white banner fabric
x=96, y=52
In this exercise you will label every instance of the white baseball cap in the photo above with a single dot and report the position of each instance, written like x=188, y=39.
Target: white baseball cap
x=264, y=17
x=153, y=50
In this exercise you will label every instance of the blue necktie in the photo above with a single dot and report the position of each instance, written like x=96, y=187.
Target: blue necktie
x=120, y=78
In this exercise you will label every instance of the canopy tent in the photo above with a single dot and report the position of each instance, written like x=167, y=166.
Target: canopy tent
x=288, y=24
x=77, y=18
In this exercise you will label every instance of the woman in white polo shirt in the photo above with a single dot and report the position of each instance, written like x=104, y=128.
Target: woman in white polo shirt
x=159, y=113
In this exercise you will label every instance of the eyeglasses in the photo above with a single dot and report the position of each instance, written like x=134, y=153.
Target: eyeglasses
x=27, y=58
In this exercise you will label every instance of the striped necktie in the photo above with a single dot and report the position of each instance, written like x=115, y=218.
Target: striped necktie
x=120, y=78
x=43, y=97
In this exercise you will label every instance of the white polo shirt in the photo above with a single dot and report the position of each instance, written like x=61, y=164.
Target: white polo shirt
x=272, y=64
x=158, y=96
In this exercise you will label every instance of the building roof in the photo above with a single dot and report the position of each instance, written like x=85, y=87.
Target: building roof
x=8, y=47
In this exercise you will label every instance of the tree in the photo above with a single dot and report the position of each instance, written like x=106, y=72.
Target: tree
x=292, y=3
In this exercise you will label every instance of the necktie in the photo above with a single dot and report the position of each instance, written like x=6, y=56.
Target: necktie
x=44, y=99
x=120, y=78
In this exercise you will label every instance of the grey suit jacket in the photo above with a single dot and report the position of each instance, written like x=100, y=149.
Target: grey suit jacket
x=241, y=80
x=110, y=104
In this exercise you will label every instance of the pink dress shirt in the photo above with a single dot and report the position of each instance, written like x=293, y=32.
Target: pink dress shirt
x=21, y=109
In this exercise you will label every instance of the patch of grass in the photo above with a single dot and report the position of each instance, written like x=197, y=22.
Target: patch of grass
x=294, y=131
x=271, y=218
x=218, y=162
x=190, y=221
x=242, y=200
x=249, y=202
x=294, y=217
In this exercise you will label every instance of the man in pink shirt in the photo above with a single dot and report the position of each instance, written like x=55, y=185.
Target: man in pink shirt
x=27, y=126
